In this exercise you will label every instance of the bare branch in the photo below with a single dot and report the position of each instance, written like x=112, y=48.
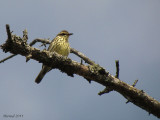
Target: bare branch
x=89, y=72
x=81, y=55
x=47, y=41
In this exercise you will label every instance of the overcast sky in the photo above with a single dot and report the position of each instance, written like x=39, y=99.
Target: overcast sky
x=104, y=30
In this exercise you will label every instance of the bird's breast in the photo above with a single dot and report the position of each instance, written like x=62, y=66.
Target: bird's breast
x=62, y=48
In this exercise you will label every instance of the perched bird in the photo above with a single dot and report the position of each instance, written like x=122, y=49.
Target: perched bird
x=60, y=45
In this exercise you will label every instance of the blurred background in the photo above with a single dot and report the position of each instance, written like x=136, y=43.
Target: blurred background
x=104, y=30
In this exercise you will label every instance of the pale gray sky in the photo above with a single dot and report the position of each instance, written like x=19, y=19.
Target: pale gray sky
x=104, y=30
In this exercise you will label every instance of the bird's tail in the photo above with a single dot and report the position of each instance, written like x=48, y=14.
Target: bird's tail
x=41, y=74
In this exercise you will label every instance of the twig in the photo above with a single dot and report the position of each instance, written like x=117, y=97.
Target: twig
x=25, y=36
x=81, y=61
x=106, y=90
x=134, y=84
x=7, y=58
x=117, y=68
x=8, y=32
x=44, y=41
x=40, y=40
x=81, y=55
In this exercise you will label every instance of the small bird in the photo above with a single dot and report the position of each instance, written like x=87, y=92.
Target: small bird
x=60, y=45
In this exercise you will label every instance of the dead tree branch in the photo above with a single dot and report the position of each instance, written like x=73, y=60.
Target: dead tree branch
x=92, y=72
x=47, y=41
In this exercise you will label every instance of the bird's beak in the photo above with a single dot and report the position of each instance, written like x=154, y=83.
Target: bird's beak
x=70, y=34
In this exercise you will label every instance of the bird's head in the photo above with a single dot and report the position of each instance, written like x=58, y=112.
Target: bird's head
x=64, y=33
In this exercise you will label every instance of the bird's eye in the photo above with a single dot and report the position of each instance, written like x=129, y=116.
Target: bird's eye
x=63, y=34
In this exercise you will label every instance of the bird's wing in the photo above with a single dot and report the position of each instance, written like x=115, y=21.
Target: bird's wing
x=51, y=45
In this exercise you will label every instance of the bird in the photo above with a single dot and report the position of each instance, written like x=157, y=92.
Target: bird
x=59, y=45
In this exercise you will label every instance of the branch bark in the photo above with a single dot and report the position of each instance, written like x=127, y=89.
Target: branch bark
x=92, y=72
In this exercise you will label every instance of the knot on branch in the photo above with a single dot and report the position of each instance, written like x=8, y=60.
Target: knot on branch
x=97, y=69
